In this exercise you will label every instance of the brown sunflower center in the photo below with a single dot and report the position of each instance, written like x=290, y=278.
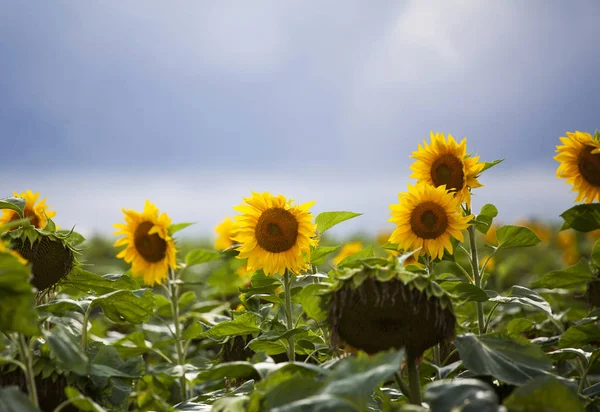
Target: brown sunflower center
x=448, y=170
x=276, y=230
x=152, y=247
x=589, y=165
x=428, y=220
x=35, y=221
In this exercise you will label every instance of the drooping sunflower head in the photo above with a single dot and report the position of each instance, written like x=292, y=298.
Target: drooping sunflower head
x=37, y=213
x=427, y=218
x=149, y=246
x=446, y=162
x=579, y=158
x=347, y=250
x=224, y=233
x=274, y=234
x=377, y=309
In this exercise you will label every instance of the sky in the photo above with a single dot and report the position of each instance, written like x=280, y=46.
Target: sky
x=194, y=104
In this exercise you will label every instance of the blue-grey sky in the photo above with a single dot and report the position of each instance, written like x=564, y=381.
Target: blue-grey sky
x=193, y=104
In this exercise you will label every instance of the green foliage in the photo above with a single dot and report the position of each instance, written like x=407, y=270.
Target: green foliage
x=572, y=277
x=198, y=256
x=17, y=312
x=461, y=395
x=515, y=236
x=544, y=393
x=327, y=220
x=13, y=400
x=13, y=203
x=583, y=218
x=489, y=165
x=484, y=219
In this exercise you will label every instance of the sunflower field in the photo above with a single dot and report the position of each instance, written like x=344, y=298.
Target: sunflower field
x=451, y=311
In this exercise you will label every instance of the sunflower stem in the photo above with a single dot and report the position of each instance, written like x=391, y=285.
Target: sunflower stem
x=287, y=287
x=173, y=297
x=84, y=329
x=402, y=385
x=27, y=359
x=437, y=361
x=476, y=277
x=414, y=383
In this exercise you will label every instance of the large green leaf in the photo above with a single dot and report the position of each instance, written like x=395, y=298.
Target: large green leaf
x=544, y=393
x=326, y=220
x=227, y=370
x=83, y=403
x=595, y=256
x=131, y=306
x=461, y=395
x=17, y=297
x=525, y=297
x=580, y=335
x=313, y=304
x=66, y=352
x=13, y=400
x=503, y=358
x=515, y=236
x=576, y=276
x=583, y=218
x=470, y=292
x=198, y=256
x=13, y=203
x=245, y=324
x=317, y=256
x=87, y=282
x=484, y=219
x=176, y=227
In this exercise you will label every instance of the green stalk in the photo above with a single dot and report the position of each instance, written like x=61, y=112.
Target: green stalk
x=84, y=328
x=287, y=288
x=412, y=367
x=476, y=276
x=173, y=292
x=437, y=361
x=402, y=385
x=27, y=358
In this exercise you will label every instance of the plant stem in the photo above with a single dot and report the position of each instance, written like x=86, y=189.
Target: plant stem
x=437, y=361
x=287, y=283
x=84, y=329
x=28, y=363
x=402, y=385
x=173, y=291
x=414, y=383
x=476, y=276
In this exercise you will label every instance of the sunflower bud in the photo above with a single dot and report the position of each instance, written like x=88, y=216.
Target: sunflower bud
x=50, y=257
x=384, y=311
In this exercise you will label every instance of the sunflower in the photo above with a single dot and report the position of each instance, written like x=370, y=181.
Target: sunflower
x=224, y=232
x=348, y=249
x=150, y=248
x=427, y=217
x=38, y=214
x=447, y=163
x=579, y=158
x=275, y=235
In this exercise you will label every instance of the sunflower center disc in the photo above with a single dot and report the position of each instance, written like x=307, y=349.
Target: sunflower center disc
x=448, y=170
x=589, y=166
x=276, y=230
x=152, y=247
x=428, y=220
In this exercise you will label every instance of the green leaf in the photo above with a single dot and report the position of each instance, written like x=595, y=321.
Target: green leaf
x=198, y=256
x=580, y=335
x=327, y=220
x=179, y=226
x=60, y=307
x=545, y=393
x=274, y=335
x=267, y=347
x=576, y=276
x=13, y=203
x=317, y=256
x=517, y=326
x=82, y=402
x=583, y=218
x=595, y=256
x=515, y=236
x=489, y=165
x=67, y=353
x=227, y=404
x=484, y=219
x=525, y=297
x=244, y=324
x=313, y=303
x=17, y=297
x=87, y=282
x=13, y=400
x=227, y=370
x=126, y=305
x=503, y=358
x=364, y=253
x=470, y=292
x=461, y=395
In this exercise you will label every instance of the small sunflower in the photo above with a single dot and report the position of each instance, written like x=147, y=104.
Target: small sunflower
x=427, y=217
x=224, y=232
x=38, y=213
x=348, y=249
x=150, y=248
x=579, y=158
x=447, y=163
x=275, y=235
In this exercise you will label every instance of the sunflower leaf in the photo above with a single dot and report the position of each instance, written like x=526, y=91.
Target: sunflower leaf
x=572, y=277
x=13, y=203
x=515, y=236
x=198, y=256
x=179, y=226
x=13, y=400
x=327, y=220
x=484, y=219
x=317, y=255
x=583, y=218
x=544, y=393
x=489, y=165
x=453, y=395
x=126, y=305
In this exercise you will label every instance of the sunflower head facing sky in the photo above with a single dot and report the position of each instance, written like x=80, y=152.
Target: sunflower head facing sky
x=149, y=247
x=274, y=234
x=38, y=213
x=446, y=162
x=427, y=217
x=579, y=158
